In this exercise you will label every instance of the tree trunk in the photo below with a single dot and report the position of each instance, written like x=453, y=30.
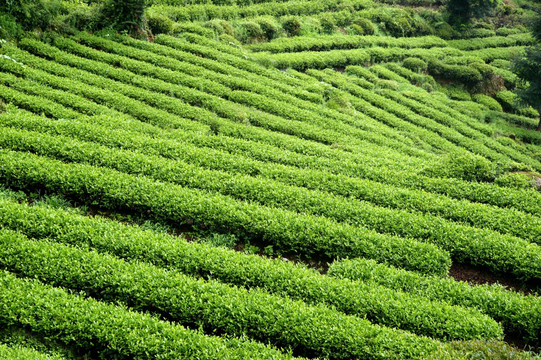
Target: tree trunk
x=539, y=124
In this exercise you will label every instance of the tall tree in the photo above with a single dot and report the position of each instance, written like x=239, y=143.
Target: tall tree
x=462, y=11
x=528, y=69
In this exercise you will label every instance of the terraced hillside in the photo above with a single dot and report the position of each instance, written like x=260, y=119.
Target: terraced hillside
x=315, y=195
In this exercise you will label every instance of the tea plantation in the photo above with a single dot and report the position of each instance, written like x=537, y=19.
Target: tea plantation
x=253, y=179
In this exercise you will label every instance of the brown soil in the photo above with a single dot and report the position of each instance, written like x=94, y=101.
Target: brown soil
x=478, y=276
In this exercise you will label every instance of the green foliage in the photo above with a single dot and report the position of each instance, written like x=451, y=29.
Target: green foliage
x=268, y=27
x=254, y=313
x=124, y=15
x=160, y=24
x=465, y=167
x=250, y=32
x=327, y=24
x=444, y=30
x=228, y=241
x=519, y=314
x=18, y=352
x=456, y=93
x=111, y=330
x=366, y=25
x=462, y=11
x=510, y=102
x=184, y=206
x=9, y=27
x=488, y=101
x=292, y=26
x=528, y=70
x=515, y=180
x=31, y=14
x=415, y=64
x=480, y=350
x=85, y=17
x=113, y=278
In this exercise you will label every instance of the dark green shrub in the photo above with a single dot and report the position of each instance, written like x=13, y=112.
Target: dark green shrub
x=414, y=64
x=444, y=30
x=31, y=14
x=269, y=28
x=510, y=103
x=160, y=24
x=125, y=15
x=84, y=17
x=292, y=26
x=456, y=93
x=9, y=28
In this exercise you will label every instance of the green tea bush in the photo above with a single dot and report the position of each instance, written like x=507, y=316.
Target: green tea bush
x=488, y=101
x=520, y=314
x=292, y=26
x=480, y=350
x=366, y=25
x=415, y=64
x=268, y=27
x=465, y=167
x=327, y=24
x=160, y=24
x=250, y=32
x=515, y=181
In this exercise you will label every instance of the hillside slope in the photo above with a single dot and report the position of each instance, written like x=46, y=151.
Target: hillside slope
x=200, y=194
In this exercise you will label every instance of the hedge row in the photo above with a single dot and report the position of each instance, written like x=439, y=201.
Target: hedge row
x=465, y=243
x=461, y=134
x=36, y=103
x=383, y=73
x=464, y=125
x=519, y=314
x=214, y=57
x=18, y=352
x=290, y=232
x=377, y=106
x=490, y=54
x=112, y=331
x=278, y=100
x=478, y=215
x=471, y=112
x=208, y=11
x=219, y=308
x=252, y=84
x=412, y=76
x=335, y=42
x=492, y=42
x=275, y=276
x=110, y=98
x=69, y=100
x=341, y=58
x=224, y=108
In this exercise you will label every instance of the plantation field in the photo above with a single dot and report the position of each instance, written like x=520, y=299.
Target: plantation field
x=215, y=191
